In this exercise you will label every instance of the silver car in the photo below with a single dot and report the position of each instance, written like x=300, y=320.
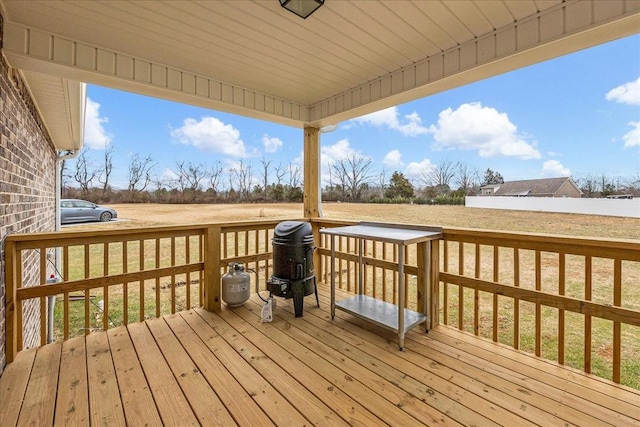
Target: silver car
x=74, y=210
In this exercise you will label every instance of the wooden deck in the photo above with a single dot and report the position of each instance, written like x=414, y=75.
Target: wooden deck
x=197, y=367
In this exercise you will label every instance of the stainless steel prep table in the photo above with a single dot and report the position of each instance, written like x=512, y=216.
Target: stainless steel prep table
x=389, y=316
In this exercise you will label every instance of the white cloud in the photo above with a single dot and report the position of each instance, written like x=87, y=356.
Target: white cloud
x=411, y=125
x=554, y=169
x=632, y=138
x=393, y=159
x=415, y=170
x=474, y=127
x=338, y=151
x=628, y=93
x=210, y=135
x=95, y=136
x=271, y=144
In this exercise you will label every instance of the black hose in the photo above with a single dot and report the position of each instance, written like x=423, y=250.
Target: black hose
x=257, y=281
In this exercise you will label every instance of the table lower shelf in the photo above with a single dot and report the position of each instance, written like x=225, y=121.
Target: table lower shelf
x=379, y=312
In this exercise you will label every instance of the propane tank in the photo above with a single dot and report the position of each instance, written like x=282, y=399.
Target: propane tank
x=236, y=285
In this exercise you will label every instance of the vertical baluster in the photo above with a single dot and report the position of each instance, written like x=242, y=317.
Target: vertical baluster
x=141, y=255
x=348, y=266
x=496, y=279
x=365, y=269
x=87, y=293
x=384, y=272
x=395, y=275
x=173, y=276
x=561, y=291
x=125, y=285
x=201, y=272
x=516, y=302
x=19, y=275
x=587, y=318
x=157, y=286
x=187, y=260
x=538, y=313
x=42, y=252
x=460, y=288
x=65, y=276
x=445, y=290
x=105, y=289
x=617, y=331
x=374, y=281
x=266, y=249
x=476, y=293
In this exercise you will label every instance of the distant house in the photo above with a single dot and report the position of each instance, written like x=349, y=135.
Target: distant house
x=549, y=187
x=489, y=190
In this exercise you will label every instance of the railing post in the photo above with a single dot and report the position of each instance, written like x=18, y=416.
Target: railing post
x=11, y=314
x=212, y=267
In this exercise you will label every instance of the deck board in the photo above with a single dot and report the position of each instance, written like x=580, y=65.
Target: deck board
x=137, y=401
x=239, y=403
x=105, y=406
x=39, y=405
x=172, y=405
x=13, y=385
x=72, y=403
x=227, y=368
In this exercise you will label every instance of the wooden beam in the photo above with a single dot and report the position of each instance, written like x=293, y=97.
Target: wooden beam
x=312, y=173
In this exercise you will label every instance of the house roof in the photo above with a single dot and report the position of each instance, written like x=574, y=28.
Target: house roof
x=256, y=59
x=533, y=187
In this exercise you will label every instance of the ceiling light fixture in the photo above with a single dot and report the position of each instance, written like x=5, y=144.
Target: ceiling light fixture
x=302, y=8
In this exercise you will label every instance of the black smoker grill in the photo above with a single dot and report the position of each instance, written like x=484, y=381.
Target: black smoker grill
x=293, y=275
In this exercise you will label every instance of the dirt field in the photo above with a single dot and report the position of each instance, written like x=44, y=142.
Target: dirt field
x=138, y=215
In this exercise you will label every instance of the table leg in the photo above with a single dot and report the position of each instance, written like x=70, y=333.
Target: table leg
x=333, y=276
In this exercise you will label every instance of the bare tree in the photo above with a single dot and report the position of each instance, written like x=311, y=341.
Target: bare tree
x=140, y=169
x=105, y=173
x=215, y=174
x=467, y=178
x=281, y=172
x=441, y=174
x=265, y=176
x=382, y=182
x=354, y=173
x=190, y=177
x=243, y=176
x=84, y=173
x=588, y=184
x=295, y=175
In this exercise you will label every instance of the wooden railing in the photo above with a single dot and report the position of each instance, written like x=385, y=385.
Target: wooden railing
x=571, y=300
x=114, y=277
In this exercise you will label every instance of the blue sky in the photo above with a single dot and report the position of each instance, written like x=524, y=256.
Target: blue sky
x=577, y=115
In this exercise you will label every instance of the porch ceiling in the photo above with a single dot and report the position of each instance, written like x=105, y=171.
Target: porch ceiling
x=256, y=59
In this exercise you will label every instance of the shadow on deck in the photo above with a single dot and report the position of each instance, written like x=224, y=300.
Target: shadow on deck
x=197, y=367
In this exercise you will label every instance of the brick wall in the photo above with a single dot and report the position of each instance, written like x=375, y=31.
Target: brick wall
x=27, y=188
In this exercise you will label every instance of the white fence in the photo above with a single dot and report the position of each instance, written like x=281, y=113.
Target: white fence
x=610, y=207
